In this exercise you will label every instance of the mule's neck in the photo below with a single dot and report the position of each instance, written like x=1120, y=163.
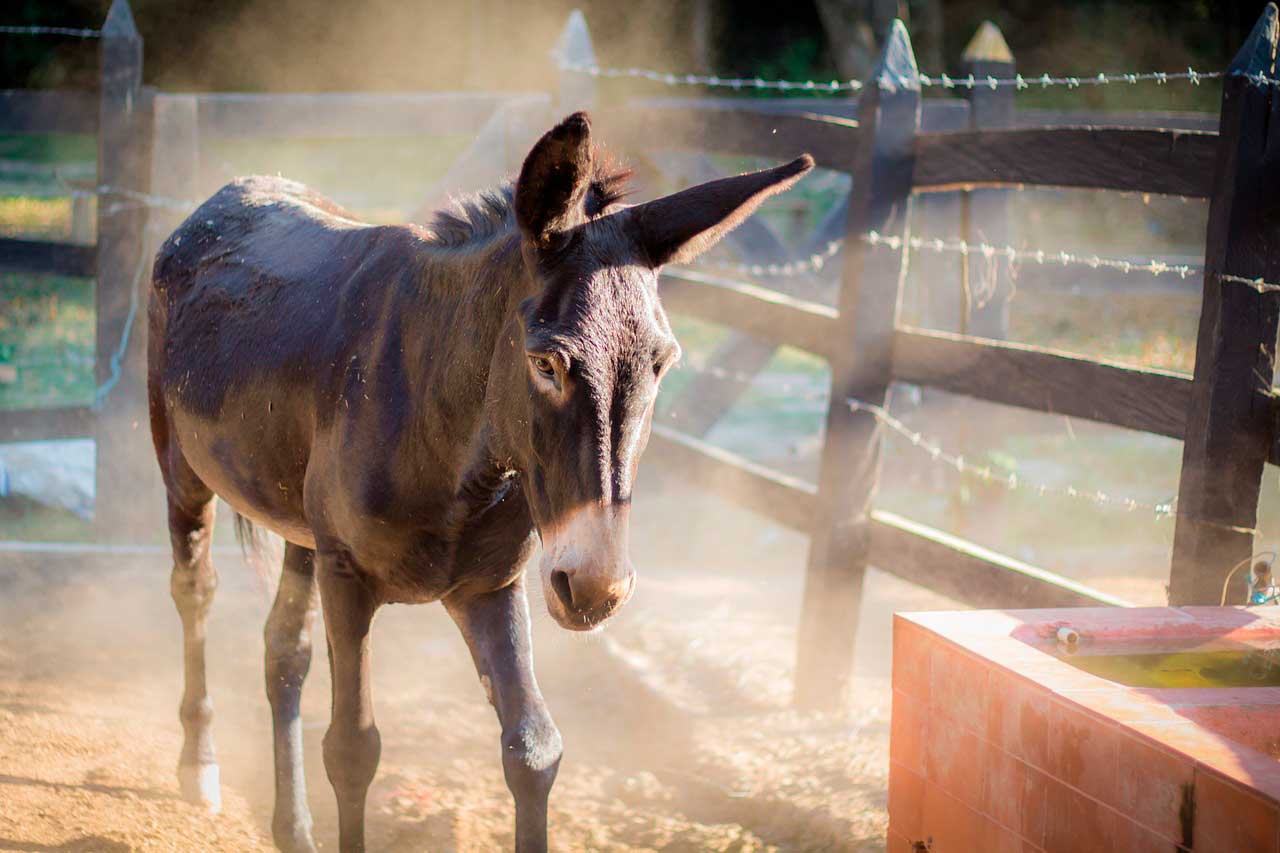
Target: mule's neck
x=463, y=331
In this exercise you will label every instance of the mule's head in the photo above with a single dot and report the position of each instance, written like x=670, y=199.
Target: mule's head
x=596, y=343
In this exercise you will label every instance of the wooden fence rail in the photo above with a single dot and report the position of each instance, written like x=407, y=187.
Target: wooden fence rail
x=902, y=152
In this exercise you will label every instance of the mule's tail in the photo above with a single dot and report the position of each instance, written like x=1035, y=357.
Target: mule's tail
x=258, y=554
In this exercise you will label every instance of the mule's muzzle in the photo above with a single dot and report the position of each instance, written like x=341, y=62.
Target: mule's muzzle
x=586, y=575
x=580, y=600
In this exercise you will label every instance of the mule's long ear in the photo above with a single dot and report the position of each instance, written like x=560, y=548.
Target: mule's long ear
x=677, y=228
x=554, y=180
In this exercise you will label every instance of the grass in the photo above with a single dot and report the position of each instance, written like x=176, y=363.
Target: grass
x=47, y=333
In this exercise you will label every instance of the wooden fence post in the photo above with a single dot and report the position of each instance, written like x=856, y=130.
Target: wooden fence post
x=175, y=160
x=1231, y=420
x=985, y=212
x=871, y=285
x=120, y=423
x=576, y=91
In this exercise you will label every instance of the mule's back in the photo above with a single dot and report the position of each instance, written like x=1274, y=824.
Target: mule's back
x=266, y=280
x=249, y=222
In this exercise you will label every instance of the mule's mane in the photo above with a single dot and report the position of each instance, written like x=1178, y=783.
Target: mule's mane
x=474, y=218
x=479, y=217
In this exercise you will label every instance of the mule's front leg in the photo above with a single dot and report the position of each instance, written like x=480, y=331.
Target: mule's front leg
x=496, y=628
x=352, y=745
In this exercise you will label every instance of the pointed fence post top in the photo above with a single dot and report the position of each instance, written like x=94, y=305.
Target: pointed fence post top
x=574, y=46
x=987, y=45
x=896, y=68
x=1258, y=53
x=119, y=22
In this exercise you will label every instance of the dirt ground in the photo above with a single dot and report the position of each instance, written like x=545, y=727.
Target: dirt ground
x=675, y=718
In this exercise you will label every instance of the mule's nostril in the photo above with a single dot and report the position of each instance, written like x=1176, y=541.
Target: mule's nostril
x=560, y=583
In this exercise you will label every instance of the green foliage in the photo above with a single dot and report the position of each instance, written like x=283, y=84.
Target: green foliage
x=49, y=148
x=46, y=329
x=798, y=59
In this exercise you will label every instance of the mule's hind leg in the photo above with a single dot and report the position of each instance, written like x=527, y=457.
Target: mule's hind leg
x=288, y=658
x=192, y=585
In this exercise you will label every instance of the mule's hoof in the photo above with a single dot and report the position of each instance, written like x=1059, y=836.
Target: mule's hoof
x=199, y=785
x=294, y=842
x=294, y=838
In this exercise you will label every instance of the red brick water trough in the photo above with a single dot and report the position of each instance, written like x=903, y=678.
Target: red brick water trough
x=1003, y=741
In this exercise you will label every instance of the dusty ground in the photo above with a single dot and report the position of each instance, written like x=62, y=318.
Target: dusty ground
x=677, y=729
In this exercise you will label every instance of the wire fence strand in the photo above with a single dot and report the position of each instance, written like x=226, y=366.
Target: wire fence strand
x=1009, y=481
x=70, y=32
x=1013, y=483
x=1020, y=82
x=990, y=252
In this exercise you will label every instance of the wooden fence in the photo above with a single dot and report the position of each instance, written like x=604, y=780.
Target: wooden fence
x=902, y=153
x=119, y=116
x=900, y=150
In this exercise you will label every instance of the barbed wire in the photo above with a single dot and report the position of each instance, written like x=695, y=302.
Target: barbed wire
x=811, y=264
x=1258, y=284
x=816, y=262
x=1010, y=481
x=1013, y=483
x=1038, y=256
x=50, y=31
x=1044, y=81
x=970, y=82
x=713, y=81
x=1154, y=266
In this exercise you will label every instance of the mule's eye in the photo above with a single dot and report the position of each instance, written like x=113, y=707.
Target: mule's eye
x=543, y=365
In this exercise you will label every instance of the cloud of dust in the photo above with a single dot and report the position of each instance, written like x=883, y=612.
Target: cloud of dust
x=682, y=700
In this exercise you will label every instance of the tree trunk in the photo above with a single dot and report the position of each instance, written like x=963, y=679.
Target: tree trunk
x=856, y=29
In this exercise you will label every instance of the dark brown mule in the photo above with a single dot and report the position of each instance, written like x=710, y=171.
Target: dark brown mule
x=407, y=407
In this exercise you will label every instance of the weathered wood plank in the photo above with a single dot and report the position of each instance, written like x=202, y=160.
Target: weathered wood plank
x=347, y=114
x=987, y=288
x=39, y=257
x=1159, y=119
x=861, y=367
x=943, y=113
x=830, y=140
x=175, y=160
x=45, y=424
x=1168, y=162
x=969, y=573
x=935, y=113
x=787, y=500
x=1044, y=380
x=762, y=312
x=27, y=111
x=1230, y=423
x=124, y=143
